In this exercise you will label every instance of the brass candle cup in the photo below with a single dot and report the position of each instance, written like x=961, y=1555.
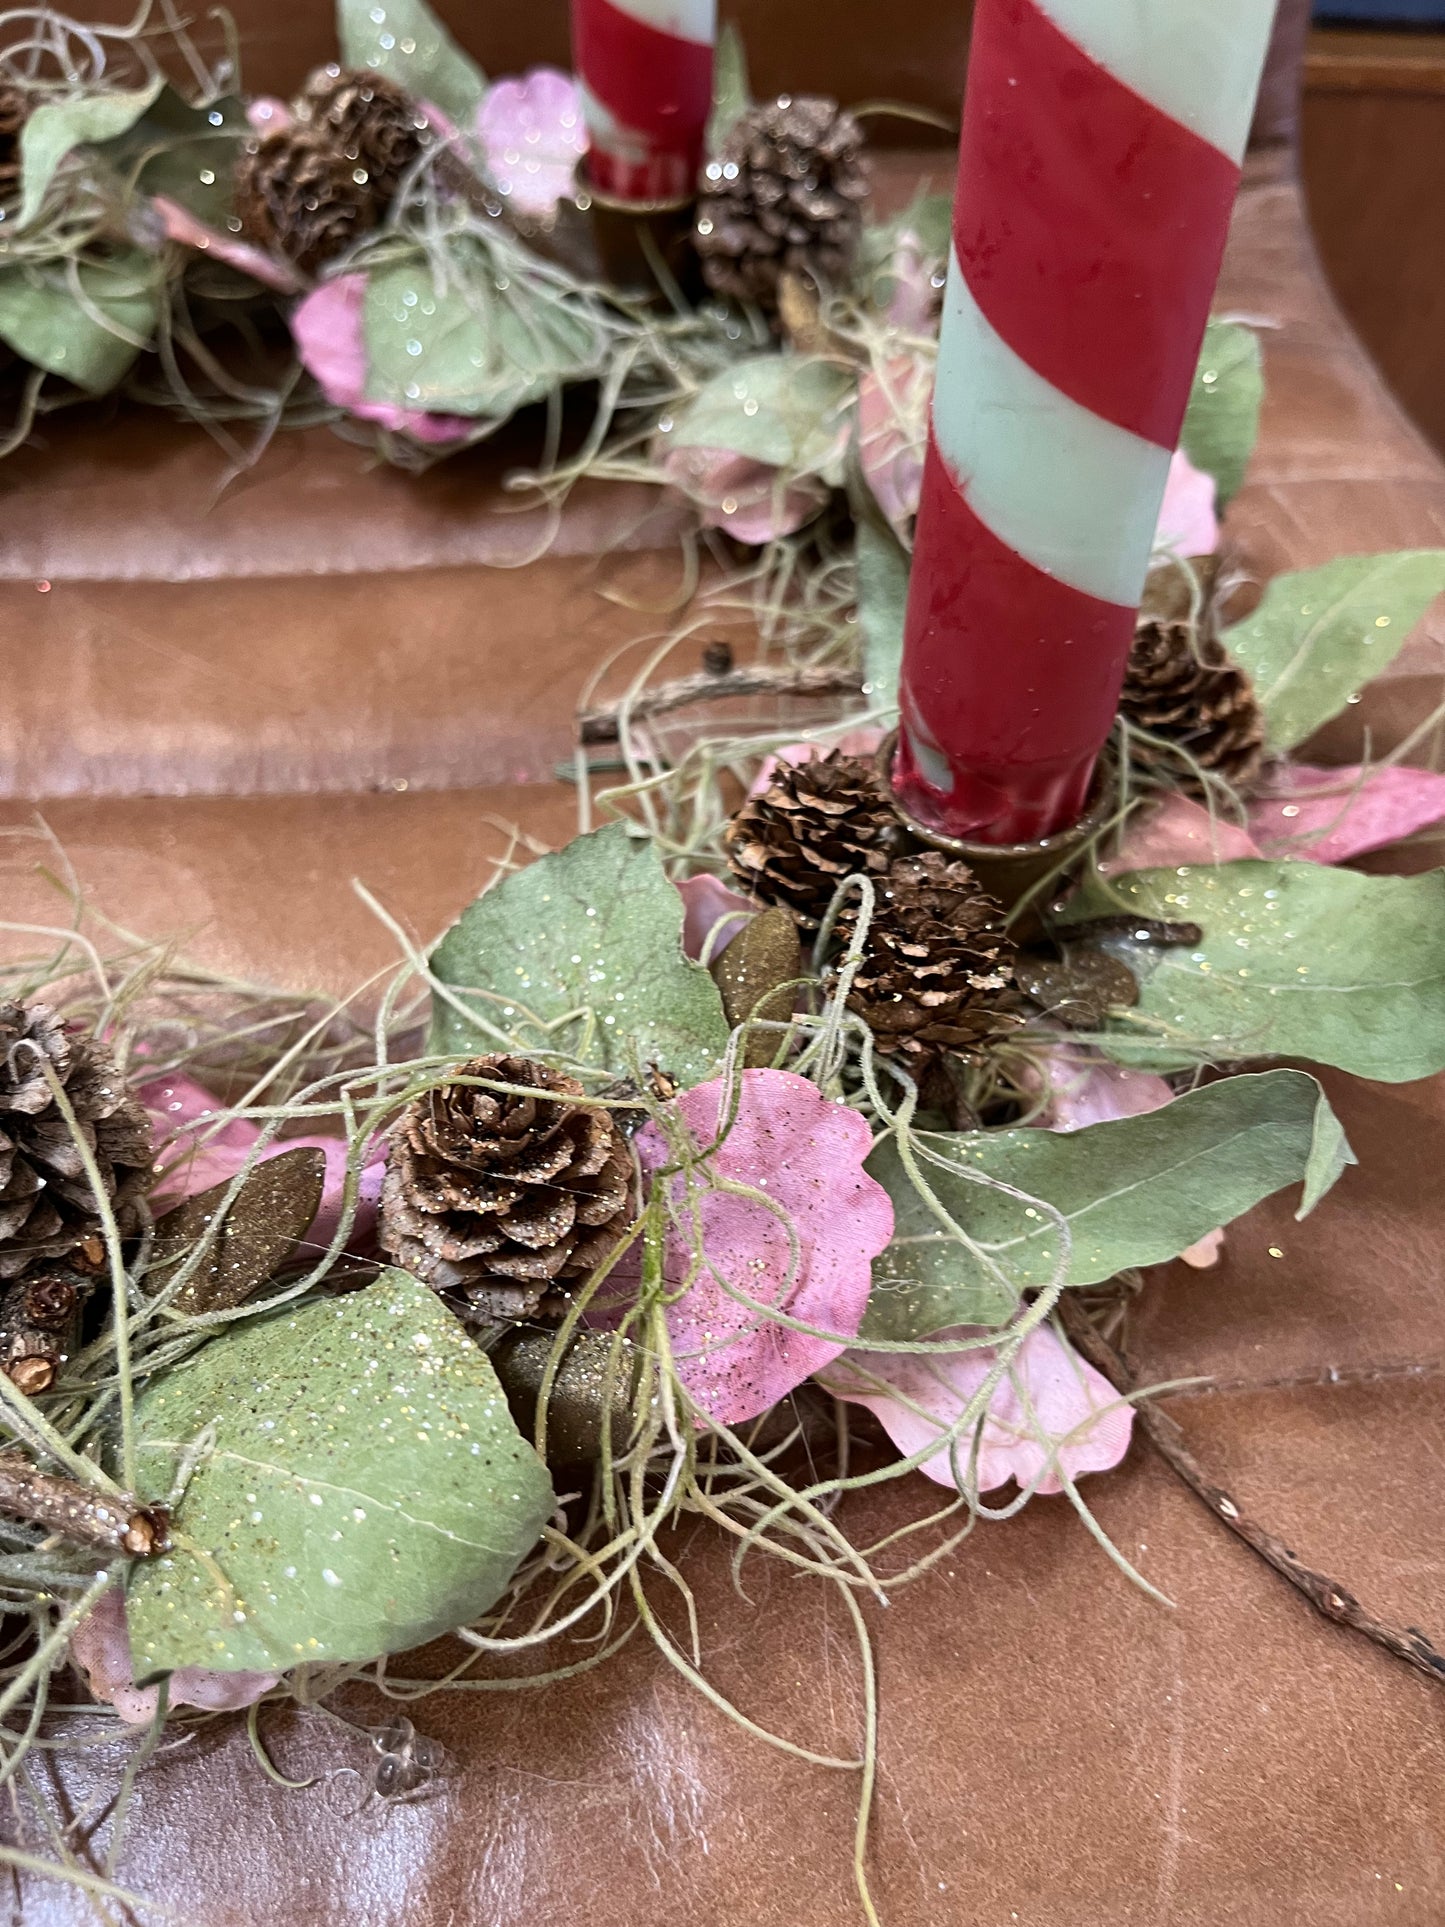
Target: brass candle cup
x=643, y=247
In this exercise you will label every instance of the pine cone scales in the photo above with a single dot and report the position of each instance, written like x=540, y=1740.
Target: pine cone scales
x=47, y=1205
x=297, y=195
x=784, y=197
x=1184, y=690
x=369, y=119
x=816, y=823
x=937, y=970
x=14, y=112
x=503, y=1198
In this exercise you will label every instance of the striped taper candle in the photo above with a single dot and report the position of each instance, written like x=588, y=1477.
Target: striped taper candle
x=1101, y=150
x=645, y=70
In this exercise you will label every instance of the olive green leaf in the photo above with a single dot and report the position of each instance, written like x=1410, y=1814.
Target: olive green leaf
x=58, y=127
x=1221, y=425
x=883, y=572
x=358, y=1488
x=269, y=1215
x=404, y=40
x=1297, y=960
x=86, y=320
x=1135, y=1192
x=1319, y=636
x=789, y=411
x=581, y=953
x=731, y=96
x=186, y=153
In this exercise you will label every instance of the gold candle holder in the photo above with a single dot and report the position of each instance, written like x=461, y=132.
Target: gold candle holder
x=644, y=247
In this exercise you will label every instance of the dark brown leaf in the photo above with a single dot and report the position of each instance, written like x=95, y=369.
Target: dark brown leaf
x=270, y=1215
x=755, y=975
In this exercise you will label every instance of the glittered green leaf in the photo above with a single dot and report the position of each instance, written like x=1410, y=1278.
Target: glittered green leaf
x=1297, y=960
x=1222, y=422
x=87, y=321
x=58, y=127
x=1135, y=1192
x=359, y=1488
x=789, y=411
x=731, y=96
x=266, y=1220
x=1318, y=637
x=883, y=567
x=928, y=219
x=186, y=153
x=484, y=344
x=405, y=40
x=581, y=952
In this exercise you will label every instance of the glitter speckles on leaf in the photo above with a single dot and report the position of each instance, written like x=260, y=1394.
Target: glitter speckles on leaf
x=365, y=1489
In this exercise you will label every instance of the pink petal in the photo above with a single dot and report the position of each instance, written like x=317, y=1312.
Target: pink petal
x=915, y=300
x=1075, y=1410
x=1188, y=524
x=100, y=1646
x=808, y=1155
x=893, y=433
x=1178, y=831
x=1081, y=1087
x=745, y=497
x=181, y=225
x=1331, y=815
x=1205, y=1255
x=327, y=327
x=533, y=134
x=268, y=115
x=708, y=903
x=853, y=742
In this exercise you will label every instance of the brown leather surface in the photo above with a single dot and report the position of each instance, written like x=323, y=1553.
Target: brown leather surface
x=1057, y=1750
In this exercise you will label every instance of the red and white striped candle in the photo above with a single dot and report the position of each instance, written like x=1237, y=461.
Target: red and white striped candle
x=645, y=70
x=1102, y=142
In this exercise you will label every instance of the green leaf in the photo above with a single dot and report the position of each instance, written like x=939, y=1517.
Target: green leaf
x=58, y=127
x=883, y=569
x=359, y=1488
x=1221, y=425
x=582, y=952
x=472, y=347
x=186, y=153
x=1318, y=637
x=93, y=341
x=405, y=40
x=786, y=410
x=731, y=96
x=1135, y=1192
x=1297, y=960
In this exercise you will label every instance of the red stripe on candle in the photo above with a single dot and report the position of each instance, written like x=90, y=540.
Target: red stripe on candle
x=1089, y=224
x=655, y=84
x=992, y=643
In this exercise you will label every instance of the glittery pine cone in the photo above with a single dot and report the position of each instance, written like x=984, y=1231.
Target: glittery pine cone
x=297, y=194
x=937, y=969
x=15, y=104
x=502, y=1200
x=784, y=197
x=47, y=1204
x=1195, y=706
x=369, y=120
x=815, y=823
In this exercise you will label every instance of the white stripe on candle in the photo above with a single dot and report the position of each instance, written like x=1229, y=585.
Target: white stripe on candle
x=608, y=133
x=1074, y=494
x=1199, y=61
x=688, y=19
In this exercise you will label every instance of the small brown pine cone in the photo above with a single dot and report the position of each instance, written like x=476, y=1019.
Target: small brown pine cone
x=504, y=1200
x=15, y=104
x=297, y=194
x=937, y=970
x=1195, y=706
x=784, y=197
x=369, y=120
x=816, y=823
x=47, y=1205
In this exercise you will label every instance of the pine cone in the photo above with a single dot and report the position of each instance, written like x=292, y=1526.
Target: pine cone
x=297, y=194
x=505, y=1200
x=816, y=823
x=937, y=971
x=369, y=120
x=1184, y=689
x=784, y=197
x=14, y=112
x=47, y=1206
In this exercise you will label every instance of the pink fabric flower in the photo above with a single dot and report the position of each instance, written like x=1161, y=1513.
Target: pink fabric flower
x=893, y=433
x=707, y=904
x=100, y=1646
x=853, y=742
x=1188, y=521
x=180, y=1109
x=747, y=498
x=1178, y=831
x=1081, y=1087
x=533, y=134
x=268, y=115
x=1331, y=815
x=1205, y=1255
x=1051, y=1416
x=179, y=224
x=807, y=1155
x=327, y=327
x=914, y=302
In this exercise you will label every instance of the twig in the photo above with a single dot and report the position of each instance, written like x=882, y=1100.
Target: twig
x=78, y=1512
x=1334, y=1601
x=604, y=725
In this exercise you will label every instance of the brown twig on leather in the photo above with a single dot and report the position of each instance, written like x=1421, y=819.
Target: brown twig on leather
x=604, y=725
x=1334, y=1601
x=79, y=1512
